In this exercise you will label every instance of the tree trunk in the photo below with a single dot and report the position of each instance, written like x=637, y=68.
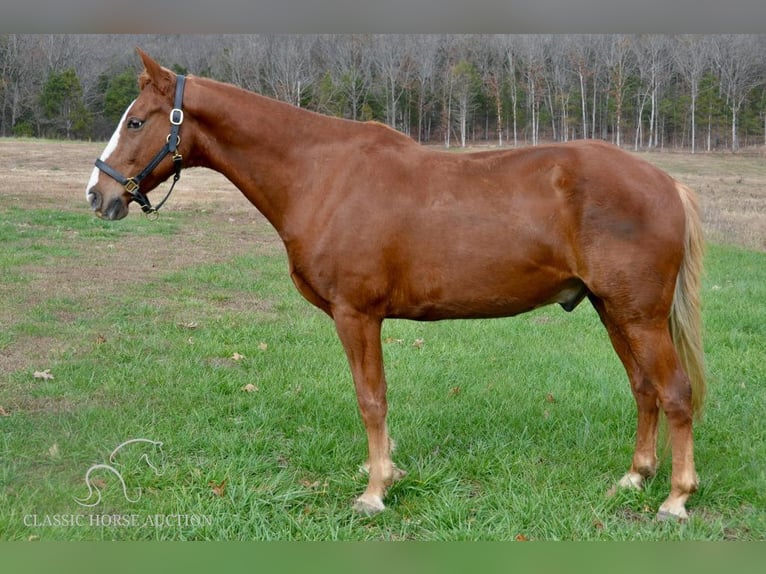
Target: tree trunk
x=593, y=110
x=694, y=114
x=583, y=97
x=653, y=120
x=463, y=119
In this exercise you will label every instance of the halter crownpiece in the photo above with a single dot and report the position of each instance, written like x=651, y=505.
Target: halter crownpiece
x=133, y=184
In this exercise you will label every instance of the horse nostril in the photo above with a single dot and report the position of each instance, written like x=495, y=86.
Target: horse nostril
x=95, y=199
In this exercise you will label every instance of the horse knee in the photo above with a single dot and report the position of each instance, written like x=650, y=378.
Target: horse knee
x=645, y=393
x=676, y=399
x=373, y=409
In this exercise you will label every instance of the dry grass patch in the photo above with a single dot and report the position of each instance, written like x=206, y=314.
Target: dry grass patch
x=732, y=191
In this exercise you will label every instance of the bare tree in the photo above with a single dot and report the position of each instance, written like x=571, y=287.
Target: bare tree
x=392, y=59
x=490, y=61
x=600, y=86
x=24, y=70
x=239, y=60
x=581, y=52
x=10, y=72
x=618, y=63
x=424, y=74
x=558, y=83
x=737, y=56
x=653, y=64
x=288, y=69
x=509, y=45
x=465, y=78
x=349, y=63
x=449, y=54
x=532, y=51
x=691, y=55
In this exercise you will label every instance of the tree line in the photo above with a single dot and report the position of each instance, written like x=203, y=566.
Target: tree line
x=697, y=92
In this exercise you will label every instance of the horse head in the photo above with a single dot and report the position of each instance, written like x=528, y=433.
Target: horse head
x=146, y=147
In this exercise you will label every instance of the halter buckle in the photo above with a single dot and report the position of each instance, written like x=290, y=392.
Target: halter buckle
x=131, y=186
x=176, y=116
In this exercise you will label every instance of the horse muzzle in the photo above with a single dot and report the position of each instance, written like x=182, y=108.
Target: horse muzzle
x=112, y=209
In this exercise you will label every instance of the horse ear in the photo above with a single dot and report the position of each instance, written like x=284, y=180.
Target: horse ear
x=154, y=73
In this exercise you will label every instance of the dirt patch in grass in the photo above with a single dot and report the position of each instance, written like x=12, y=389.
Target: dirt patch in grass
x=53, y=175
x=49, y=405
x=27, y=351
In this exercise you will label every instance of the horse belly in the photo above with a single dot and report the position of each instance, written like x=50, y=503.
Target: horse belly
x=460, y=292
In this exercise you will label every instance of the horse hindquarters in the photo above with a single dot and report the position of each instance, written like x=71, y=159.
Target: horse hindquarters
x=659, y=344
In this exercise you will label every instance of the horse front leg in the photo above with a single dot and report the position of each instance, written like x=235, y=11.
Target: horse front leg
x=360, y=336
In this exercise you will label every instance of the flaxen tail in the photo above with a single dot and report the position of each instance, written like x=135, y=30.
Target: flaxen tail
x=685, y=314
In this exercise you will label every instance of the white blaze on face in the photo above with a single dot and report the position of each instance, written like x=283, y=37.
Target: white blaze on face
x=110, y=147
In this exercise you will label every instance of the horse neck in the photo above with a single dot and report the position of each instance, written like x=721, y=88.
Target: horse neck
x=259, y=144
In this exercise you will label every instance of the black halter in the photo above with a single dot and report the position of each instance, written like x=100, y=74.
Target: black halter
x=132, y=184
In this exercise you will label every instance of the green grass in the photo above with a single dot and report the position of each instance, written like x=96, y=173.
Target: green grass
x=507, y=428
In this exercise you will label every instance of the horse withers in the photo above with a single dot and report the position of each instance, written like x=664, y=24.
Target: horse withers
x=377, y=226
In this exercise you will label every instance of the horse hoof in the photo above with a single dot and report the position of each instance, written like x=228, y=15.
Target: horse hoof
x=630, y=481
x=675, y=512
x=369, y=505
x=665, y=516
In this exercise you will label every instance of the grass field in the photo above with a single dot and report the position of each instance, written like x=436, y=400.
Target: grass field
x=188, y=331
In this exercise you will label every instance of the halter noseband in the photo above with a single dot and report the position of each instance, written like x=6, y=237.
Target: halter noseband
x=133, y=184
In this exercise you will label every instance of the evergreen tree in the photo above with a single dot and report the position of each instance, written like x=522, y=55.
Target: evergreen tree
x=62, y=106
x=120, y=92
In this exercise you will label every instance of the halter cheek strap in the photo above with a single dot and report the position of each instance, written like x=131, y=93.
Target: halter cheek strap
x=133, y=184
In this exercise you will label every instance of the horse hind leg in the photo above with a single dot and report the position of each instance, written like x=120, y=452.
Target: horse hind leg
x=644, y=463
x=655, y=355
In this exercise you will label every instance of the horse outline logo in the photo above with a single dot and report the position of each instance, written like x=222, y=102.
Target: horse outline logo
x=109, y=467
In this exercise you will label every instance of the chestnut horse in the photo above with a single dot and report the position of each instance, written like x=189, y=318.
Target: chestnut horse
x=377, y=226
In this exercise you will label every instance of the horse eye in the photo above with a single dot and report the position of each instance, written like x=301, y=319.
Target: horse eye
x=135, y=124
